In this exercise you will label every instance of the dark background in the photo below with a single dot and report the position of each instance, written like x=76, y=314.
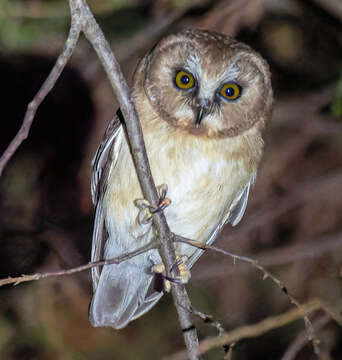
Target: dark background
x=293, y=222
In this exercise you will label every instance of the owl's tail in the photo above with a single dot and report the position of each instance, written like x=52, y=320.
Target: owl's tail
x=123, y=294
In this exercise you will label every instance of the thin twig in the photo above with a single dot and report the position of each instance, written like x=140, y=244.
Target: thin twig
x=300, y=340
x=279, y=256
x=254, y=330
x=266, y=274
x=48, y=84
x=209, y=319
x=19, y=279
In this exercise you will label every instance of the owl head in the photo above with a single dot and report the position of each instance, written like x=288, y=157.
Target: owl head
x=206, y=83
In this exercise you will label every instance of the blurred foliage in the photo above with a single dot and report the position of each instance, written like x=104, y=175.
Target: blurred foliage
x=22, y=24
x=336, y=106
x=25, y=23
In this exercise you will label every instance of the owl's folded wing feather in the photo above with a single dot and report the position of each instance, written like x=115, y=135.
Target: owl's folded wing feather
x=233, y=216
x=238, y=206
x=124, y=291
x=103, y=161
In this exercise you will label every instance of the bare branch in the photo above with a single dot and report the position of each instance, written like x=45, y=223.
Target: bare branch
x=301, y=340
x=208, y=319
x=80, y=10
x=48, y=84
x=308, y=249
x=266, y=274
x=17, y=280
x=255, y=330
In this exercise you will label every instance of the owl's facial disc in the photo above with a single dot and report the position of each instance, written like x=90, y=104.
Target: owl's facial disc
x=205, y=84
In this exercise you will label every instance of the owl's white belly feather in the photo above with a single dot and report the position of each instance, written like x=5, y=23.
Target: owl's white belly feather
x=198, y=187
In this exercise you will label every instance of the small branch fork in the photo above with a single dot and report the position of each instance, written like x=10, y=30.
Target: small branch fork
x=250, y=331
x=266, y=274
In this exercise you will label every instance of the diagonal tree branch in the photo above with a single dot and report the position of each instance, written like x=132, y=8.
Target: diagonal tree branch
x=93, y=33
x=48, y=84
x=19, y=279
x=254, y=330
x=298, y=344
x=266, y=274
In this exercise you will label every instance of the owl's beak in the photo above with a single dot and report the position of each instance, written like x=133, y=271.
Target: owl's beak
x=200, y=114
x=203, y=107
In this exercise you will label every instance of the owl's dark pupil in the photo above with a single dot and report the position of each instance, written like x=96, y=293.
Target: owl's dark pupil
x=230, y=92
x=185, y=79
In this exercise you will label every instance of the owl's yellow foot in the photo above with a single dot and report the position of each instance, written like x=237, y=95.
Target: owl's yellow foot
x=146, y=210
x=184, y=272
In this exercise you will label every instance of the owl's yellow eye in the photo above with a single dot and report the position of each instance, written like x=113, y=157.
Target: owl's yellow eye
x=231, y=91
x=184, y=80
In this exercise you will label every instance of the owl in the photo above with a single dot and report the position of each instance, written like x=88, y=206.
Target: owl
x=203, y=100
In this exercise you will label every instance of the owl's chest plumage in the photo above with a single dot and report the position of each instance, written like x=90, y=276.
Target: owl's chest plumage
x=203, y=179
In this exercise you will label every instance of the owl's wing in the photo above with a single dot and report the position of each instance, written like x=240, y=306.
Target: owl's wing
x=103, y=161
x=238, y=206
x=233, y=215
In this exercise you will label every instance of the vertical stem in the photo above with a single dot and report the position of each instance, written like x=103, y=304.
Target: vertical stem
x=95, y=36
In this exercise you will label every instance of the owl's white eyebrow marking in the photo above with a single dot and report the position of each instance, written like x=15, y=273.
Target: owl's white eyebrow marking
x=231, y=74
x=194, y=66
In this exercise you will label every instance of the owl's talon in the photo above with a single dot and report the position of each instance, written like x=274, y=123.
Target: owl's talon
x=160, y=269
x=173, y=279
x=144, y=217
x=161, y=206
x=146, y=210
x=184, y=272
x=180, y=262
x=141, y=204
x=162, y=190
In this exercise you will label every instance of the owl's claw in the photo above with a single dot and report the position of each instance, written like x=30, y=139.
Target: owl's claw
x=184, y=272
x=146, y=210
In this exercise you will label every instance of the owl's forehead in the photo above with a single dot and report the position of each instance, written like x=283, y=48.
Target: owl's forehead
x=212, y=63
x=212, y=58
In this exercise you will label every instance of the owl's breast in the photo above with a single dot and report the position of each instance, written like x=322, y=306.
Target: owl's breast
x=202, y=178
